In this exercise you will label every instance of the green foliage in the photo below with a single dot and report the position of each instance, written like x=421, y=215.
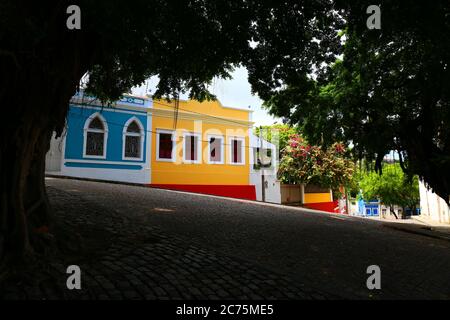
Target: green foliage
x=389, y=92
x=391, y=188
x=303, y=163
x=277, y=133
x=185, y=43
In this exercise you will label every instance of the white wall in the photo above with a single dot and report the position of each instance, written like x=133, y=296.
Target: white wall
x=272, y=185
x=272, y=190
x=432, y=206
x=120, y=175
x=353, y=207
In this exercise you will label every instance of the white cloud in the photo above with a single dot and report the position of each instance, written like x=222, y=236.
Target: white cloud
x=235, y=92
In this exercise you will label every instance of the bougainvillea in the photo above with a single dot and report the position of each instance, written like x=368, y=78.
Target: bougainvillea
x=304, y=163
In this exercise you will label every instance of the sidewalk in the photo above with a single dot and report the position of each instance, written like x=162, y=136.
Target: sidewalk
x=418, y=226
x=428, y=222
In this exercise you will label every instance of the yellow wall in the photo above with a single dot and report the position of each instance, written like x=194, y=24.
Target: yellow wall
x=317, y=197
x=214, y=119
x=211, y=108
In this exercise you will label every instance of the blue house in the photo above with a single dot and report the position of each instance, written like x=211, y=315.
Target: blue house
x=99, y=139
x=368, y=208
x=374, y=208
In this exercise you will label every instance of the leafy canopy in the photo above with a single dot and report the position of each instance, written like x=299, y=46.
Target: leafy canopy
x=188, y=43
x=389, y=91
x=391, y=188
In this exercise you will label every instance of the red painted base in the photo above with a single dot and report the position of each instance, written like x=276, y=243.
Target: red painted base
x=233, y=191
x=324, y=206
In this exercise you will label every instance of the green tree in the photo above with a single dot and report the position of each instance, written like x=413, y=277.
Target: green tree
x=389, y=92
x=282, y=132
x=392, y=188
x=119, y=45
x=303, y=163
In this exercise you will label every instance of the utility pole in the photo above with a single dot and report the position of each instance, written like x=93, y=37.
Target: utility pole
x=263, y=178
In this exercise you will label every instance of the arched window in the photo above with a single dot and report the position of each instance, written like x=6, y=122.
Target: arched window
x=95, y=137
x=133, y=140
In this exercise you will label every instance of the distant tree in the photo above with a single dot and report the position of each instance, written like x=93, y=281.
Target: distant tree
x=282, y=131
x=392, y=188
x=303, y=163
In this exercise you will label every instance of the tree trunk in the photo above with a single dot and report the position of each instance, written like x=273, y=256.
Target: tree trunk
x=24, y=205
x=41, y=64
x=393, y=212
x=25, y=213
x=425, y=158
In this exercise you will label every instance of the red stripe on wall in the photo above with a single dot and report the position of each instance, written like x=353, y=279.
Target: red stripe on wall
x=324, y=206
x=231, y=191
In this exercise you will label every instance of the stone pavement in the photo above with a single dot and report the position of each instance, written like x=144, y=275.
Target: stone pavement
x=121, y=258
x=140, y=243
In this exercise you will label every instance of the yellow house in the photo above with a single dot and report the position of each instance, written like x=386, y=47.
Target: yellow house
x=204, y=147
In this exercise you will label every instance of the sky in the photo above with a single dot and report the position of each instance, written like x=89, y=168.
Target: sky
x=235, y=92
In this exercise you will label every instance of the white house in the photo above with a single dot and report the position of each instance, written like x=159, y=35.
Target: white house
x=264, y=170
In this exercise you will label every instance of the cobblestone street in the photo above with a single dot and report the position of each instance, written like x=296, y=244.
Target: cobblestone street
x=142, y=243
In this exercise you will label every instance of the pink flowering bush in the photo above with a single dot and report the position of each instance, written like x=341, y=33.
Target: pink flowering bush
x=303, y=163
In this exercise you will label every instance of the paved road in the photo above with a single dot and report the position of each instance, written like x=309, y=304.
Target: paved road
x=290, y=252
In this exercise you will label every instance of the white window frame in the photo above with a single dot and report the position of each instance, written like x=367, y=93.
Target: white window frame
x=172, y=133
x=230, y=151
x=199, y=147
x=141, y=134
x=86, y=129
x=222, y=149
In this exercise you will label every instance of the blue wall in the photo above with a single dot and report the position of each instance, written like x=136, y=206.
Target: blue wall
x=76, y=120
x=368, y=208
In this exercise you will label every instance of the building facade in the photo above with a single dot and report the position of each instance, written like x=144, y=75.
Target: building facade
x=310, y=196
x=187, y=145
x=374, y=208
x=263, y=158
x=368, y=208
x=105, y=143
x=433, y=207
x=204, y=147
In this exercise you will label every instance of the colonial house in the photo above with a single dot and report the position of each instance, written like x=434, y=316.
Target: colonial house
x=368, y=208
x=202, y=147
x=104, y=142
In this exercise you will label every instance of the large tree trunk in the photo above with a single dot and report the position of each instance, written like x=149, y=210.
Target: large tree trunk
x=25, y=210
x=24, y=205
x=39, y=73
x=427, y=145
x=25, y=213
